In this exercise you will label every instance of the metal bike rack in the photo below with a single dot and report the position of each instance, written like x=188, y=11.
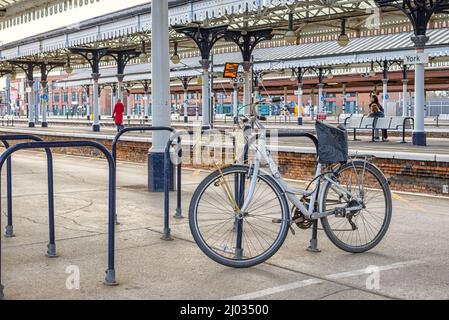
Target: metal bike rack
x=176, y=136
x=314, y=241
x=144, y=129
x=110, y=272
x=9, y=232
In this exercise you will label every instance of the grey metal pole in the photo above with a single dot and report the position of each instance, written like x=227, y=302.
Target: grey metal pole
x=30, y=98
x=161, y=95
x=419, y=133
x=44, y=101
x=205, y=93
x=96, y=124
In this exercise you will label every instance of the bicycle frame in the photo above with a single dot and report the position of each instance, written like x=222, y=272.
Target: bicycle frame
x=262, y=153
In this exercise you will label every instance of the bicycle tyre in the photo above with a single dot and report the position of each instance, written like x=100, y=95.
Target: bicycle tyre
x=385, y=190
x=196, y=230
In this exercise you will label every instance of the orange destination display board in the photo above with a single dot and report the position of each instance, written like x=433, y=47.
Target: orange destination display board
x=231, y=70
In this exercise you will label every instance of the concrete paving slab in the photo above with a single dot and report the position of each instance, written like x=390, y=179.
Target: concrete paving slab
x=412, y=257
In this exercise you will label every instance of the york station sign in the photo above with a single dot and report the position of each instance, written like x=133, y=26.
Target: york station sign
x=416, y=58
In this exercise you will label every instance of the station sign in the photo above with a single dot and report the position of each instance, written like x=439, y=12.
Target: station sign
x=231, y=70
x=44, y=97
x=416, y=58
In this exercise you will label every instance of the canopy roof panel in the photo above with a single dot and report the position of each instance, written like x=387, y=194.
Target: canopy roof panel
x=4, y=4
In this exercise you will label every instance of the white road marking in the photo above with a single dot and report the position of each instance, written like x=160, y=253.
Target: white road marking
x=313, y=281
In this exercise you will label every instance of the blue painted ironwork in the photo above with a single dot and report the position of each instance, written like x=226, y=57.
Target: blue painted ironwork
x=9, y=233
x=175, y=137
x=110, y=272
x=143, y=129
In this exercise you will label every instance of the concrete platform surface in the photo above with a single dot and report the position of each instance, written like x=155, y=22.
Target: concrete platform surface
x=412, y=259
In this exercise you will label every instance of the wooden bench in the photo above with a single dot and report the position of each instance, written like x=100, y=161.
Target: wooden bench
x=373, y=124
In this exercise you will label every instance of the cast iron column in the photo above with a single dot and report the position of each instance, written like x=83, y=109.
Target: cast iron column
x=205, y=38
x=419, y=13
x=247, y=42
x=93, y=56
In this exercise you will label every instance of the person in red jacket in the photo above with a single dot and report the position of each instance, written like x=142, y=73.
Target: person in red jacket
x=118, y=113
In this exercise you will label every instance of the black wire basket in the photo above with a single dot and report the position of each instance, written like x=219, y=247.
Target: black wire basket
x=332, y=144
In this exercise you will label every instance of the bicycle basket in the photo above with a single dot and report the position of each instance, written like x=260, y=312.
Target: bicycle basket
x=332, y=144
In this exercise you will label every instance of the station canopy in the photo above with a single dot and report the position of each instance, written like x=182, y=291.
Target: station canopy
x=7, y=3
x=314, y=22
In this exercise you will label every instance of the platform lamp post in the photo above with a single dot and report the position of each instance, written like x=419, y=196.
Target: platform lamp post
x=93, y=56
x=247, y=41
x=205, y=38
x=185, y=86
x=419, y=13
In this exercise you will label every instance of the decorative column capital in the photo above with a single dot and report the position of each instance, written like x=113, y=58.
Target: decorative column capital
x=385, y=81
x=30, y=83
x=120, y=77
x=420, y=41
x=404, y=81
x=205, y=64
x=247, y=66
x=96, y=76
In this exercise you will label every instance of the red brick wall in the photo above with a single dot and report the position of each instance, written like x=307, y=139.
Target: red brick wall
x=405, y=175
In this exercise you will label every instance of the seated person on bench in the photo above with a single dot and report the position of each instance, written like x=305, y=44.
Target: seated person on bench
x=377, y=111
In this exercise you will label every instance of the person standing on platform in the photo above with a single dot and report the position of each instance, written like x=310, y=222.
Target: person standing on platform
x=119, y=111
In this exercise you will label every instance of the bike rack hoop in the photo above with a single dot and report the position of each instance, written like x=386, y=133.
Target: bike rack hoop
x=175, y=136
x=110, y=272
x=5, y=139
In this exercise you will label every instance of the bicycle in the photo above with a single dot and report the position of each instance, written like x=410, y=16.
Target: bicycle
x=240, y=215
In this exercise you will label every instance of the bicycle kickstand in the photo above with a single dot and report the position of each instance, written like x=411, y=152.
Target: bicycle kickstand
x=314, y=241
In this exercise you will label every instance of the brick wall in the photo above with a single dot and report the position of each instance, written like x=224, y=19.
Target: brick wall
x=405, y=175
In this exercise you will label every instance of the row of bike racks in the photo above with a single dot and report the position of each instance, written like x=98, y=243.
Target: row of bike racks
x=47, y=146
x=175, y=139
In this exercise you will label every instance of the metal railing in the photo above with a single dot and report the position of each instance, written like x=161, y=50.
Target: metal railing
x=9, y=232
x=175, y=137
x=110, y=272
x=146, y=129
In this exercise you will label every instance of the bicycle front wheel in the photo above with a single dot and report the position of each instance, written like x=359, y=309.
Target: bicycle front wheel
x=232, y=238
x=360, y=230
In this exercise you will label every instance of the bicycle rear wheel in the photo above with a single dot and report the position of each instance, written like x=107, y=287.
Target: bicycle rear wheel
x=360, y=230
x=234, y=239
